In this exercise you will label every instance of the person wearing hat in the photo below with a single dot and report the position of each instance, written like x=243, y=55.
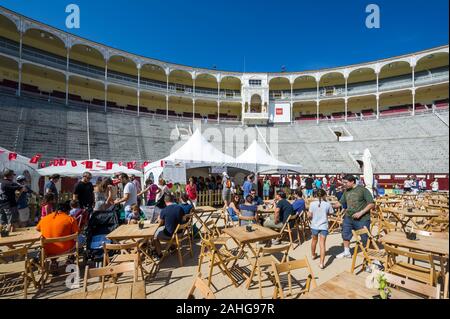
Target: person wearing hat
x=8, y=204
x=22, y=201
x=226, y=189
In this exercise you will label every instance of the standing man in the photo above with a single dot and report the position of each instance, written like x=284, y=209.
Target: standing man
x=84, y=192
x=309, y=181
x=136, y=183
x=359, y=201
x=22, y=201
x=9, y=214
x=248, y=186
x=423, y=185
x=50, y=186
x=129, y=194
x=226, y=189
x=294, y=184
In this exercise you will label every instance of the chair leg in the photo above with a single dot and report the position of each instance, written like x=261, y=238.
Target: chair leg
x=259, y=282
x=355, y=254
x=252, y=274
x=211, y=267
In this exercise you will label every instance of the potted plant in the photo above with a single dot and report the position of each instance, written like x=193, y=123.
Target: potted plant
x=377, y=280
x=141, y=224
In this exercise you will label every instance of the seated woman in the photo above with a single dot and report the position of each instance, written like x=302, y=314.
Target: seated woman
x=248, y=211
x=233, y=210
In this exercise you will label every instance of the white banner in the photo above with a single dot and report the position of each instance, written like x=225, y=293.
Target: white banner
x=174, y=172
x=280, y=112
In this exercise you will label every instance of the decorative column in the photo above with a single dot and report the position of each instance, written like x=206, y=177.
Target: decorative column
x=19, y=87
x=317, y=101
x=292, y=100
x=346, y=97
x=378, y=93
x=414, y=88
x=193, y=99
x=139, y=89
x=106, y=84
x=67, y=76
x=218, y=99
x=167, y=94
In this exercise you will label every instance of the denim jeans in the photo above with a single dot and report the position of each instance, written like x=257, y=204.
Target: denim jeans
x=350, y=224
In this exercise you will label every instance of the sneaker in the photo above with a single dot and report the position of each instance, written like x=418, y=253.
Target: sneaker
x=344, y=255
x=368, y=269
x=276, y=242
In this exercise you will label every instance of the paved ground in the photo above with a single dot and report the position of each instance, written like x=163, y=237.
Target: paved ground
x=173, y=281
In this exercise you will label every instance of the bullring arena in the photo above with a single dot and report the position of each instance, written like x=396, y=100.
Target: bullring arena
x=75, y=105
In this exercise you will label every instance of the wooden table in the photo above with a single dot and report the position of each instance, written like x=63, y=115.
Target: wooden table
x=130, y=291
x=205, y=209
x=437, y=246
x=243, y=238
x=200, y=211
x=28, y=237
x=134, y=233
x=404, y=217
x=349, y=286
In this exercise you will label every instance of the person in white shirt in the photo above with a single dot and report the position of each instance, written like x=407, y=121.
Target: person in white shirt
x=294, y=184
x=407, y=185
x=129, y=194
x=435, y=186
x=422, y=185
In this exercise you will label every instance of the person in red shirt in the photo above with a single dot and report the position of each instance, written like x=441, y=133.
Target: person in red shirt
x=55, y=225
x=191, y=191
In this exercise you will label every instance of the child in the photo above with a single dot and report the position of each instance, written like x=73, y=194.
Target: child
x=47, y=204
x=134, y=216
x=75, y=208
x=319, y=211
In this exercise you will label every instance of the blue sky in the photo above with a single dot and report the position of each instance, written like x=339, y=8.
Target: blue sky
x=267, y=34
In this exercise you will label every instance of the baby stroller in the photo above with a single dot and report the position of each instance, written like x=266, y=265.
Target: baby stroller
x=99, y=226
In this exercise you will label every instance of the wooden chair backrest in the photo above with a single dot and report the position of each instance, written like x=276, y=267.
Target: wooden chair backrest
x=110, y=270
x=289, y=266
x=202, y=286
x=413, y=286
x=73, y=237
x=392, y=251
x=370, y=241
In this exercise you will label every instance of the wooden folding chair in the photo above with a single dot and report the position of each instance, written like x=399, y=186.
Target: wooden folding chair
x=182, y=234
x=413, y=286
x=287, y=229
x=203, y=287
x=208, y=233
x=15, y=262
x=303, y=224
x=114, y=271
x=335, y=222
x=219, y=255
x=122, y=253
x=264, y=259
x=46, y=259
x=446, y=286
x=288, y=267
x=369, y=252
x=427, y=275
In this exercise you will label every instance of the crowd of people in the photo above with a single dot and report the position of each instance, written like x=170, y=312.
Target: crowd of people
x=124, y=194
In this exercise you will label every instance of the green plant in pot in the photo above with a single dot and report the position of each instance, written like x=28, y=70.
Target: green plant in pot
x=383, y=289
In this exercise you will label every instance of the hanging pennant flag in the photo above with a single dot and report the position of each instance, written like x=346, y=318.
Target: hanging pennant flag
x=88, y=164
x=145, y=164
x=131, y=165
x=42, y=165
x=109, y=165
x=12, y=156
x=74, y=163
x=62, y=162
x=120, y=163
x=162, y=163
x=35, y=159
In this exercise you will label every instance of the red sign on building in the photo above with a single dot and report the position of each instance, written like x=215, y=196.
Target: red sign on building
x=279, y=111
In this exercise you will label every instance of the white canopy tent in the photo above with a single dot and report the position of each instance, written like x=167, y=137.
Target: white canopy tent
x=98, y=169
x=257, y=160
x=195, y=153
x=19, y=166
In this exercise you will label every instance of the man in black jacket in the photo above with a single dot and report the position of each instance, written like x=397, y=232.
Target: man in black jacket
x=9, y=214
